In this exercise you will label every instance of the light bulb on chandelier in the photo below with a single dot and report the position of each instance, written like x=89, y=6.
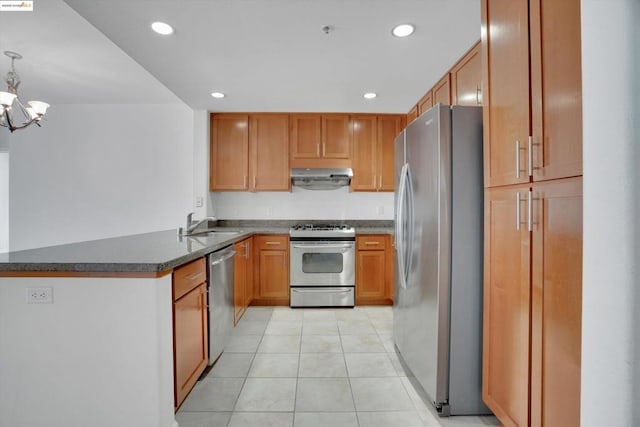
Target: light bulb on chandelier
x=13, y=113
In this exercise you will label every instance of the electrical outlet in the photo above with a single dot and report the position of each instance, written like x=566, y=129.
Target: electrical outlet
x=380, y=210
x=199, y=201
x=39, y=295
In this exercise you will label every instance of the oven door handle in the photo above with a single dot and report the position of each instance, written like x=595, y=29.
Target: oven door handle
x=324, y=290
x=317, y=246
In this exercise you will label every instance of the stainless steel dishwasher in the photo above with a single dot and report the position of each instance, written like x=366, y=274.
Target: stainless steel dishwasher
x=220, y=300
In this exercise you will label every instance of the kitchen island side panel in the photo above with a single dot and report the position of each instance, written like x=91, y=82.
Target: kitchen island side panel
x=100, y=355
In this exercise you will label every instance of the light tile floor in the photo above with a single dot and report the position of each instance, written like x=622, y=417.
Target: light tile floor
x=312, y=368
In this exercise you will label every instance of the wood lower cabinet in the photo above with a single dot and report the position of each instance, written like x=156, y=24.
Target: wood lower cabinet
x=374, y=270
x=466, y=79
x=243, y=277
x=190, y=338
x=532, y=303
x=272, y=270
x=373, y=151
x=556, y=312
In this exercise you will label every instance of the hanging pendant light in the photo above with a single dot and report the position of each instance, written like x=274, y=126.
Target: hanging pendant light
x=13, y=113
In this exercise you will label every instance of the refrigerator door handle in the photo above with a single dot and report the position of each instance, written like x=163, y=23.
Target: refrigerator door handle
x=411, y=220
x=400, y=255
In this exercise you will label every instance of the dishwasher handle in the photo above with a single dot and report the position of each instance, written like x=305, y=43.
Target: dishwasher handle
x=223, y=258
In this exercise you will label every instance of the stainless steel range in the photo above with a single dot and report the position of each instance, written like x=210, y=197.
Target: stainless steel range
x=322, y=265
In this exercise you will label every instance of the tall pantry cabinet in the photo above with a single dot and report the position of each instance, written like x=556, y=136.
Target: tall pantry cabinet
x=533, y=211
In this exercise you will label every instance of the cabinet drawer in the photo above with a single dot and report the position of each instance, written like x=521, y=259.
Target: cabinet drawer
x=374, y=242
x=273, y=242
x=188, y=277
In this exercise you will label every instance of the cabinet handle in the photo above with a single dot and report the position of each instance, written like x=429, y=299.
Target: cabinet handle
x=478, y=95
x=530, y=156
x=272, y=243
x=254, y=182
x=318, y=150
x=518, y=211
x=380, y=187
x=244, y=182
x=530, y=211
x=371, y=243
x=518, y=149
x=192, y=276
x=374, y=181
x=324, y=149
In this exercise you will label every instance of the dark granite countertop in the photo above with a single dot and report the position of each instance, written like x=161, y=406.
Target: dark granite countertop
x=155, y=252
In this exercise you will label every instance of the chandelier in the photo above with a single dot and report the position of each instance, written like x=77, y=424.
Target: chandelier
x=13, y=113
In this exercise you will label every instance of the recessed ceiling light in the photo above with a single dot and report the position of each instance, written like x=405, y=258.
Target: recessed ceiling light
x=217, y=94
x=162, y=28
x=403, y=30
x=370, y=95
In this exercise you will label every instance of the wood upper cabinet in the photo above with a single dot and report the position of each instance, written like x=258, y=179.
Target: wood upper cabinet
x=374, y=270
x=542, y=36
x=320, y=140
x=269, y=152
x=466, y=79
x=190, y=337
x=556, y=303
x=272, y=270
x=425, y=102
x=389, y=127
x=442, y=91
x=306, y=136
x=373, y=151
x=412, y=114
x=249, y=152
x=505, y=361
x=556, y=89
x=229, y=163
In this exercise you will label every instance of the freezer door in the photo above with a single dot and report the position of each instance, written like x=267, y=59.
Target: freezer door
x=426, y=299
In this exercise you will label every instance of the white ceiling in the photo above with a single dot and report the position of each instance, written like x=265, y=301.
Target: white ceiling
x=266, y=55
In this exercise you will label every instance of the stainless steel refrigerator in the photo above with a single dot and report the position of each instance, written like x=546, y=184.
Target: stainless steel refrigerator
x=438, y=268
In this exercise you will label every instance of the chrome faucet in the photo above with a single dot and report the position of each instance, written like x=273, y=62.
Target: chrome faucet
x=193, y=225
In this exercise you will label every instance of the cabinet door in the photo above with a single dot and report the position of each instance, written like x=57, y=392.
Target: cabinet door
x=240, y=280
x=425, y=103
x=389, y=127
x=442, y=91
x=466, y=79
x=365, y=153
x=190, y=340
x=336, y=136
x=269, y=152
x=306, y=136
x=505, y=356
x=556, y=303
x=370, y=271
x=274, y=274
x=505, y=75
x=556, y=89
x=412, y=114
x=229, y=165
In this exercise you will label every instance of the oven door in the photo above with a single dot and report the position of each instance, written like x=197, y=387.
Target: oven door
x=322, y=263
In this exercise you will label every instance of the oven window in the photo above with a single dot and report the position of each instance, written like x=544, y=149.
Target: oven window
x=322, y=263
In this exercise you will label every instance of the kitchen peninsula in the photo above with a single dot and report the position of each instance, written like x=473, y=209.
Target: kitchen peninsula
x=101, y=353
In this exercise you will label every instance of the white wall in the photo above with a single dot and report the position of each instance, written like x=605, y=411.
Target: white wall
x=201, y=164
x=94, y=171
x=4, y=192
x=611, y=276
x=101, y=355
x=303, y=204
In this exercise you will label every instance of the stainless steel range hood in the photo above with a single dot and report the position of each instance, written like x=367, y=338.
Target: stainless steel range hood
x=321, y=178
